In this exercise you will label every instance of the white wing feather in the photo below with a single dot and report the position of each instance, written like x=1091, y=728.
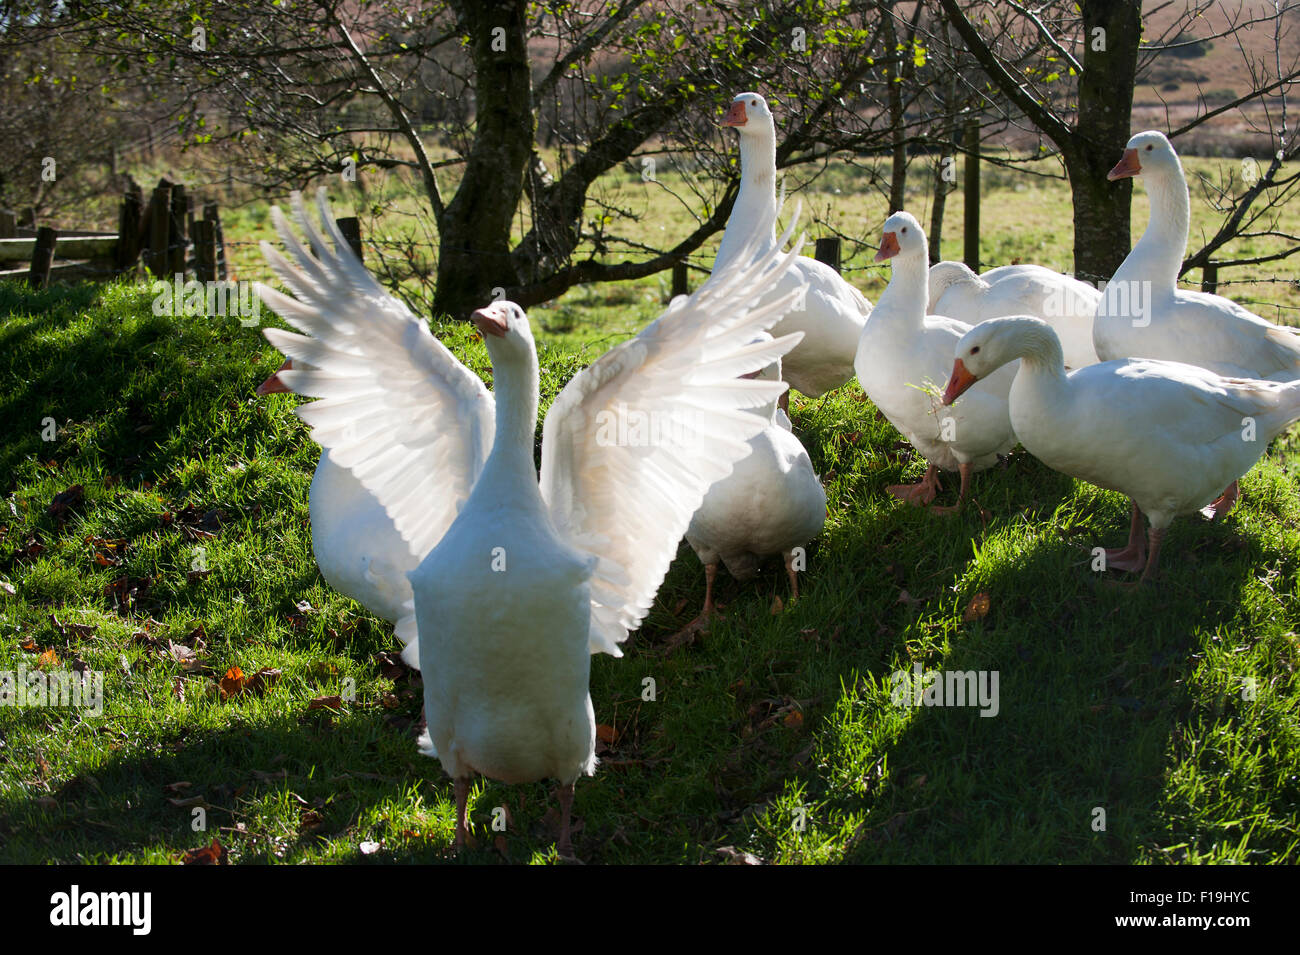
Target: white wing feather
x=397, y=409
x=627, y=497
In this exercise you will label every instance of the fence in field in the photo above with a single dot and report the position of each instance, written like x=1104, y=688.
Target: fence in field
x=169, y=235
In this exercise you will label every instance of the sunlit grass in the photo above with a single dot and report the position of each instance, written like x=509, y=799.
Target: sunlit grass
x=775, y=734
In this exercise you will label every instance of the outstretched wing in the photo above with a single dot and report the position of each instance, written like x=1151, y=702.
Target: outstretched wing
x=396, y=408
x=634, y=441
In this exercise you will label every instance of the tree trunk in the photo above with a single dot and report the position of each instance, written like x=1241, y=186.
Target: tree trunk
x=474, y=230
x=894, y=98
x=948, y=141
x=1112, y=32
x=1101, y=208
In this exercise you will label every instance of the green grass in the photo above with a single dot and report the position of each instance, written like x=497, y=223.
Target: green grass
x=1130, y=702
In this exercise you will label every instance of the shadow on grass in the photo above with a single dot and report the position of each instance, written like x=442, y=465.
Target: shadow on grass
x=1092, y=687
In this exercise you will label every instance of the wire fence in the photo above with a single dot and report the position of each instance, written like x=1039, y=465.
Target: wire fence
x=1274, y=297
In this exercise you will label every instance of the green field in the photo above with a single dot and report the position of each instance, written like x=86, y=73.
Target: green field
x=1174, y=709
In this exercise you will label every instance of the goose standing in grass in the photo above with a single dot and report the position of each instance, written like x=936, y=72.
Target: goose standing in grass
x=1063, y=302
x=356, y=545
x=519, y=582
x=1143, y=313
x=771, y=503
x=832, y=313
x=903, y=352
x=1167, y=434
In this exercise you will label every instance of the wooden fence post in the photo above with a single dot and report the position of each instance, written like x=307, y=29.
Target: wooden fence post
x=42, y=257
x=176, y=234
x=827, y=251
x=159, y=228
x=680, y=284
x=972, y=219
x=8, y=224
x=205, y=250
x=210, y=214
x=350, y=226
x=1210, y=278
x=128, y=227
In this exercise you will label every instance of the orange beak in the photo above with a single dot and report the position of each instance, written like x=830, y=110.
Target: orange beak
x=735, y=115
x=961, y=380
x=274, y=384
x=1126, y=167
x=490, y=320
x=888, y=247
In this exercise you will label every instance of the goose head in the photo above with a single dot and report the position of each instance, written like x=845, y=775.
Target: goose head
x=749, y=115
x=902, y=235
x=990, y=345
x=1145, y=153
x=505, y=330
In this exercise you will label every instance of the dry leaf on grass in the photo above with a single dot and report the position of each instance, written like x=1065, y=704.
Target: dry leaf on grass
x=214, y=854
x=232, y=683
x=65, y=501
x=977, y=609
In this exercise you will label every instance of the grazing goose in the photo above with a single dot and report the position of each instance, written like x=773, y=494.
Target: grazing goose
x=771, y=503
x=833, y=311
x=1064, y=303
x=519, y=582
x=1143, y=313
x=903, y=351
x=1167, y=434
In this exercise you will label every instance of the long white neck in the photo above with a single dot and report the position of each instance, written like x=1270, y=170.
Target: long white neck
x=755, y=208
x=510, y=468
x=903, y=302
x=1159, y=253
x=1036, y=345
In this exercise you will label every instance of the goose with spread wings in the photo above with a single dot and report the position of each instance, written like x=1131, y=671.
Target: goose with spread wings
x=520, y=580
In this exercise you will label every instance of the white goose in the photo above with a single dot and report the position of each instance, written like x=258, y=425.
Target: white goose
x=519, y=583
x=1167, y=434
x=833, y=311
x=1143, y=313
x=1063, y=302
x=903, y=351
x=356, y=545
x=771, y=503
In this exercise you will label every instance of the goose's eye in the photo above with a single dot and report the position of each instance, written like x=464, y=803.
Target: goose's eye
x=975, y=350
x=904, y=230
x=1150, y=146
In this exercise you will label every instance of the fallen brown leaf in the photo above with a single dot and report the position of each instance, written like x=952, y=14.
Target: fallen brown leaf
x=977, y=609
x=262, y=680
x=64, y=501
x=187, y=658
x=326, y=703
x=214, y=854
x=232, y=683
x=733, y=856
